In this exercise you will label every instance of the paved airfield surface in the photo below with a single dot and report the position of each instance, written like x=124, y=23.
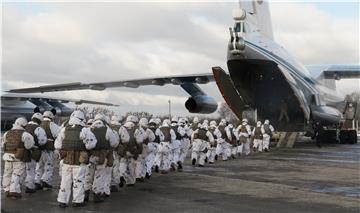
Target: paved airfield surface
x=303, y=179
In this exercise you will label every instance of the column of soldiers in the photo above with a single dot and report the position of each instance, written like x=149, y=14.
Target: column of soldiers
x=101, y=155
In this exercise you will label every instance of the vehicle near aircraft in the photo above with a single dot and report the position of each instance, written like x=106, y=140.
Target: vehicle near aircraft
x=262, y=76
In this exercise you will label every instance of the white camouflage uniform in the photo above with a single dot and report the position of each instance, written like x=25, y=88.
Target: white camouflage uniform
x=200, y=146
x=31, y=166
x=45, y=166
x=73, y=176
x=244, y=137
x=14, y=169
x=163, y=156
x=127, y=163
x=98, y=176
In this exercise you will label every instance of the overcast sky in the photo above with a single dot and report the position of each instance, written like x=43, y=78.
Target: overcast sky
x=47, y=43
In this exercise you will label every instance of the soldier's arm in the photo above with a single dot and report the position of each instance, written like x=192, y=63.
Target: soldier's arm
x=112, y=137
x=55, y=129
x=124, y=135
x=271, y=128
x=210, y=137
x=3, y=140
x=59, y=139
x=262, y=129
x=88, y=138
x=173, y=135
x=139, y=135
x=41, y=135
x=28, y=140
x=151, y=135
x=248, y=129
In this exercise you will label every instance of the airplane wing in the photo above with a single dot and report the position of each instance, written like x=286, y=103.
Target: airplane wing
x=176, y=80
x=335, y=71
x=199, y=102
x=34, y=98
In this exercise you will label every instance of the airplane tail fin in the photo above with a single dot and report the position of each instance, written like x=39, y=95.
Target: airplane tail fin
x=258, y=15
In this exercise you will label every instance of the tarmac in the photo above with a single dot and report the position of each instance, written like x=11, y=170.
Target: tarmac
x=302, y=179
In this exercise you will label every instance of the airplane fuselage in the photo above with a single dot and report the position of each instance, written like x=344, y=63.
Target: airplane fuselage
x=268, y=79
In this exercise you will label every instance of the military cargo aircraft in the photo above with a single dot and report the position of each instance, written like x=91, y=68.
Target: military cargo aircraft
x=24, y=105
x=262, y=76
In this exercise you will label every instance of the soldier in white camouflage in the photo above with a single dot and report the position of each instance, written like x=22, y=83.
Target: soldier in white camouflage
x=152, y=147
x=73, y=143
x=45, y=166
x=185, y=135
x=166, y=136
x=244, y=132
x=201, y=140
x=212, y=150
x=37, y=152
x=131, y=139
x=101, y=159
x=257, y=136
x=268, y=132
x=115, y=125
x=16, y=145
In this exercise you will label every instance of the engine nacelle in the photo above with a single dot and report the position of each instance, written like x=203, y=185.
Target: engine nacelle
x=326, y=115
x=201, y=104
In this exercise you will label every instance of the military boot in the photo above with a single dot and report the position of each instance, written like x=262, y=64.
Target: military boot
x=97, y=198
x=87, y=195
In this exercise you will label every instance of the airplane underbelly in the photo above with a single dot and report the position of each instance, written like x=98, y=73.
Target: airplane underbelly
x=263, y=86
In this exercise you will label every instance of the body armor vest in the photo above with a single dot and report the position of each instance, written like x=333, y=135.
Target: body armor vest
x=13, y=140
x=166, y=132
x=50, y=138
x=267, y=129
x=100, y=134
x=201, y=134
x=175, y=128
x=153, y=129
x=15, y=145
x=46, y=126
x=30, y=128
x=233, y=137
x=73, y=149
x=132, y=146
x=115, y=127
x=72, y=139
x=243, y=129
x=223, y=132
x=194, y=126
x=257, y=133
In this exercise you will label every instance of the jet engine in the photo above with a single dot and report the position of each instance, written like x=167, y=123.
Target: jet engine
x=201, y=104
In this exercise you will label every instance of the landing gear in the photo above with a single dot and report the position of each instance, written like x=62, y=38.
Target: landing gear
x=348, y=136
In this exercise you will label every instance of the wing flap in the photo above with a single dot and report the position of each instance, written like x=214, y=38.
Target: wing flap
x=176, y=80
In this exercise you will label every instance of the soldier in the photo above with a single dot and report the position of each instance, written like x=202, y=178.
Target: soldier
x=152, y=147
x=185, y=134
x=166, y=136
x=222, y=147
x=40, y=139
x=16, y=145
x=268, y=132
x=201, y=139
x=115, y=125
x=45, y=166
x=131, y=138
x=101, y=160
x=233, y=141
x=216, y=134
x=73, y=142
x=175, y=145
x=195, y=124
x=257, y=135
x=149, y=136
x=244, y=132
